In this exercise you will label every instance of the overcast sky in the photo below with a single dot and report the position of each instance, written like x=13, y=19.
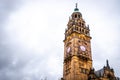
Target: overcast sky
x=32, y=34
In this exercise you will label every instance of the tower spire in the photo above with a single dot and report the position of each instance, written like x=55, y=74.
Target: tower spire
x=107, y=63
x=76, y=9
x=76, y=5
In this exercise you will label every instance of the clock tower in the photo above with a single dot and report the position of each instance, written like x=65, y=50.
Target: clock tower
x=77, y=48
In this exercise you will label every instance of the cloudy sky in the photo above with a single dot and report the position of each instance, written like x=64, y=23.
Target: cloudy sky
x=32, y=33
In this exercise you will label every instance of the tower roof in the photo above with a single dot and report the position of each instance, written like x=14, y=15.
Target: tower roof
x=76, y=13
x=76, y=9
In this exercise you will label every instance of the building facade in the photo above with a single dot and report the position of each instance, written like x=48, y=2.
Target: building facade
x=77, y=52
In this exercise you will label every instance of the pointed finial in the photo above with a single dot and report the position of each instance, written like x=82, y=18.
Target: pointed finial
x=76, y=5
x=107, y=63
x=76, y=9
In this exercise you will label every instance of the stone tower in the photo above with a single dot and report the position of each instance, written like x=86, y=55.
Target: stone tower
x=77, y=48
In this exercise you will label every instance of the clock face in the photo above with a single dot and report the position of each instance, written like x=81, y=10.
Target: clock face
x=83, y=48
x=68, y=49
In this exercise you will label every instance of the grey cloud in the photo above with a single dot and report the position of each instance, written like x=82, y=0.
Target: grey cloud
x=5, y=7
x=19, y=64
x=11, y=64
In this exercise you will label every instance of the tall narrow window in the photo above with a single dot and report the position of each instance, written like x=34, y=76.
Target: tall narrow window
x=75, y=15
x=82, y=25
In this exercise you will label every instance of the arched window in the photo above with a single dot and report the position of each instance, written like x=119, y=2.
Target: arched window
x=79, y=16
x=86, y=32
x=80, y=29
x=76, y=28
x=82, y=25
x=90, y=78
x=79, y=23
x=75, y=15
